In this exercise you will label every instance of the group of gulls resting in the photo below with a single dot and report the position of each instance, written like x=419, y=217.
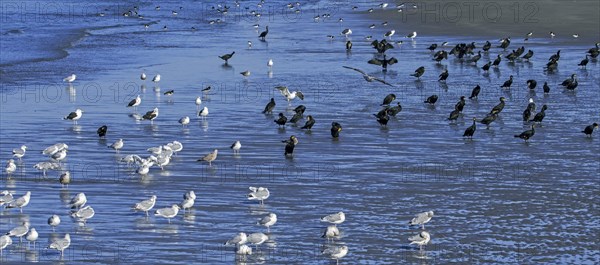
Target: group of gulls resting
x=160, y=156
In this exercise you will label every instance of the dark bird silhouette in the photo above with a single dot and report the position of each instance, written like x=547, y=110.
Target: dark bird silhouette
x=439, y=56
x=269, y=107
x=263, y=34
x=226, y=57
x=590, y=129
x=431, y=99
x=539, y=117
x=504, y=43
x=546, y=88
x=486, y=67
x=498, y=108
x=444, y=75
x=497, y=61
x=460, y=105
x=475, y=92
x=310, y=121
x=432, y=47
x=102, y=131
x=297, y=116
x=507, y=83
x=290, y=144
x=555, y=57
x=419, y=72
x=395, y=109
x=382, y=119
x=388, y=99
x=531, y=84
x=470, y=130
x=169, y=93
x=528, y=55
x=348, y=45
x=454, y=115
x=300, y=109
x=336, y=128
x=384, y=63
x=526, y=135
x=488, y=119
x=486, y=47
x=584, y=62
x=526, y=115
x=281, y=120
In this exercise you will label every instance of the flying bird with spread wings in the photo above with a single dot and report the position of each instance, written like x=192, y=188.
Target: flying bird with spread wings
x=289, y=95
x=367, y=77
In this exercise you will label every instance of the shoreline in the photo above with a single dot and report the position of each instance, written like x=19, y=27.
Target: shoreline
x=496, y=19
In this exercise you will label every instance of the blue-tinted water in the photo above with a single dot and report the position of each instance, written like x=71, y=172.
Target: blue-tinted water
x=496, y=199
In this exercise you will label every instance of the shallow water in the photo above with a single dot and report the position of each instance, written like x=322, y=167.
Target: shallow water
x=496, y=199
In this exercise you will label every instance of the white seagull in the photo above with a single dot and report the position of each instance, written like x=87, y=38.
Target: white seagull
x=156, y=78
x=117, y=145
x=20, y=202
x=20, y=152
x=145, y=205
x=257, y=239
x=168, y=212
x=74, y=116
x=421, y=219
x=5, y=241
x=268, y=221
x=19, y=231
x=65, y=179
x=389, y=34
x=239, y=239
x=143, y=76
x=331, y=232
x=336, y=252
x=61, y=244
x=135, y=102
x=236, y=146
x=289, y=95
x=31, y=236
x=54, y=221
x=203, y=113
x=198, y=102
x=70, y=79
x=184, y=121
x=270, y=64
x=412, y=35
x=78, y=201
x=11, y=167
x=335, y=219
x=260, y=194
x=420, y=239
x=83, y=214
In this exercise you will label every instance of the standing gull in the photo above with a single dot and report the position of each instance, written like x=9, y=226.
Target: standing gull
x=61, y=244
x=19, y=231
x=74, y=116
x=257, y=239
x=420, y=239
x=188, y=201
x=78, y=201
x=135, y=102
x=335, y=219
x=210, y=157
x=331, y=232
x=203, y=113
x=54, y=221
x=198, y=103
x=168, y=212
x=70, y=79
x=268, y=221
x=184, y=121
x=20, y=202
x=151, y=115
x=236, y=146
x=83, y=214
x=65, y=179
x=31, y=236
x=5, y=241
x=117, y=145
x=270, y=64
x=239, y=239
x=156, y=78
x=145, y=205
x=260, y=194
x=6, y=197
x=11, y=167
x=421, y=219
x=20, y=152
x=336, y=252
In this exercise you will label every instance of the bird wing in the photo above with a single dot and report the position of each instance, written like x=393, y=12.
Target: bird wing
x=300, y=95
x=283, y=90
x=392, y=61
x=375, y=61
x=382, y=81
x=358, y=70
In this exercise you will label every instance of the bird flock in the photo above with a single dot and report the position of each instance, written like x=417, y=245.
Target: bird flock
x=160, y=156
